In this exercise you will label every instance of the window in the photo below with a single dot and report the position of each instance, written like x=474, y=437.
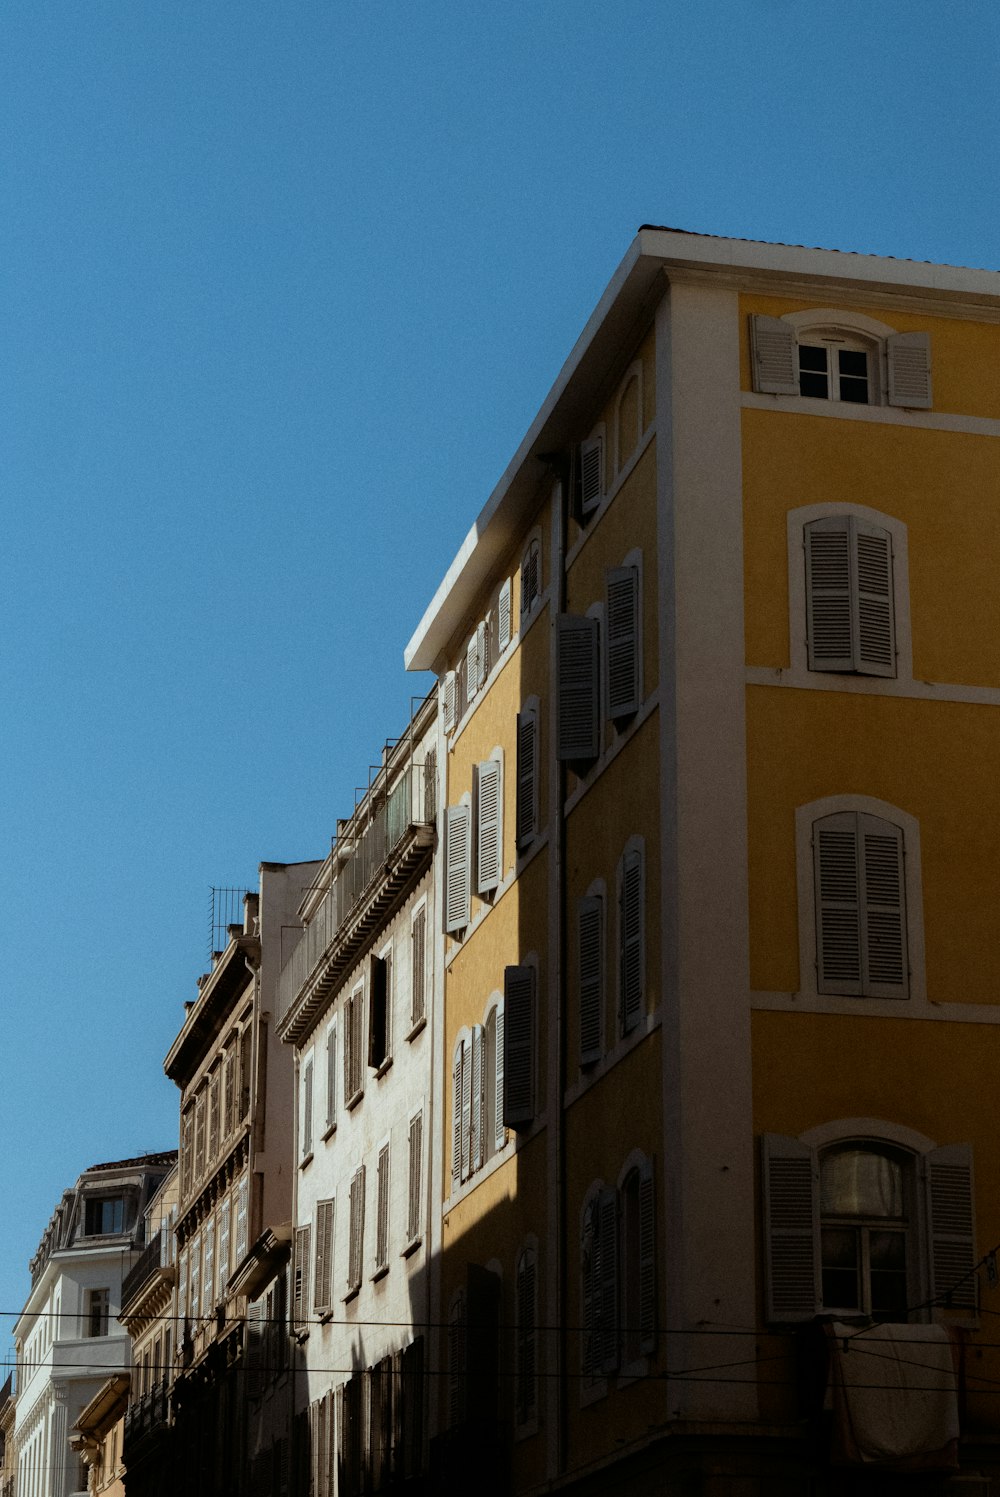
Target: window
x=242, y=1214
x=380, y=1009
x=418, y=965
x=104, y=1215
x=355, y=1263
x=860, y=906
x=478, y=1090
x=414, y=1195
x=638, y=1258
x=229, y=1094
x=457, y=1369
x=199, y=1134
x=225, y=1212
x=599, y=1274
x=578, y=698
x=214, y=1103
x=588, y=475
x=489, y=825
x=526, y=1338
x=98, y=1311
x=623, y=654
x=531, y=575
x=840, y=356
x=208, y=1271
x=476, y=662
x=867, y=1226
x=323, y=1270
x=590, y=956
x=526, y=815
x=503, y=616
x=631, y=936
x=382, y=1210
x=519, y=1046
x=300, y=1282
x=458, y=871
x=331, y=1077
x=354, y=1046
x=850, y=618
x=618, y=1262
x=306, y=1143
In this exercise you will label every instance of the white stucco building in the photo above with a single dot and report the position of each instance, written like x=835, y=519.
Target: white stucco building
x=67, y=1338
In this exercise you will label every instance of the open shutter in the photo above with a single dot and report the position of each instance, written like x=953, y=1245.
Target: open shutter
x=591, y=957
x=414, y=1214
x=589, y=1262
x=775, y=362
x=632, y=942
x=357, y=1240
x=331, y=1075
x=466, y=1111
x=476, y=1150
x=255, y=1347
x=472, y=666
x=607, y=1213
x=577, y=700
x=875, y=642
x=883, y=928
x=530, y=577
x=499, y=1126
x=948, y=1176
x=456, y=1116
x=382, y=1208
x=307, y=1110
x=418, y=965
x=624, y=690
x=519, y=1035
x=322, y=1293
x=503, y=617
x=828, y=595
x=791, y=1228
x=300, y=1302
x=488, y=826
x=482, y=654
x=449, y=700
x=591, y=463
x=647, y=1259
x=457, y=872
x=908, y=356
x=527, y=778
x=838, y=904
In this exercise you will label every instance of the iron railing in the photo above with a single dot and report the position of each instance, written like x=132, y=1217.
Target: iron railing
x=146, y=1413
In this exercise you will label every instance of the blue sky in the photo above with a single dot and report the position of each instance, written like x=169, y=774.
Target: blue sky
x=283, y=286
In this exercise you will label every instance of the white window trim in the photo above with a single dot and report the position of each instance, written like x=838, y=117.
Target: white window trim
x=808, y=994
x=864, y=332
x=799, y=673
x=633, y=372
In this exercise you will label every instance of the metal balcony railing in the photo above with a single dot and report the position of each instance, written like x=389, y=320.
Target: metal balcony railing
x=146, y=1413
x=363, y=851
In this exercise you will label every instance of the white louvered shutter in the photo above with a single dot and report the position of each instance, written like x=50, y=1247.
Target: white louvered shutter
x=590, y=934
x=622, y=654
x=414, y=1213
x=255, y=1347
x=883, y=932
x=382, y=1208
x=476, y=1149
x=307, y=1110
x=577, y=700
x=607, y=1212
x=503, y=617
x=791, y=1228
x=519, y=1037
x=908, y=357
x=418, y=965
x=331, y=1075
x=951, y=1220
x=875, y=640
x=527, y=778
x=647, y=1259
x=458, y=826
x=449, y=700
x=775, y=356
x=466, y=1111
x=300, y=1302
x=472, y=666
x=323, y=1280
x=482, y=655
x=632, y=938
x=357, y=1229
x=456, y=1116
x=838, y=903
x=530, y=577
x=591, y=474
x=829, y=607
x=499, y=1126
x=488, y=826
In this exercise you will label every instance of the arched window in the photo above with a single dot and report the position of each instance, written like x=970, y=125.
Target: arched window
x=866, y=1211
x=840, y=356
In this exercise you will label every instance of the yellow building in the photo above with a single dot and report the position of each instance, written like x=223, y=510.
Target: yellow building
x=719, y=669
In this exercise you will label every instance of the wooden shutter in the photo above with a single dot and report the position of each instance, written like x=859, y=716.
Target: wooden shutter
x=838, y=904
x=631, y=936
x=456, y=1362
x=519, y=1037
x=829, y=607
x=503, y=617
x=530, y=576
x=590, y=931
x=357, y=1229
x=775, y=356
x=499, y=1126
x=307, y=1109
x=414, y=1213
x=382, y=1208
x=456, y=1115
x=458, y=827
x=527, y=778
x=883, y=930
x=590, y=1351
x=908, y=357
x=300, y=1299
x=472, y=666
x=488, y=826
x=791, y=1228
x=577, y=699
x=378, y=1022
x=872, y=612
x=607, y=1219
x=647, y=1259
x=331, y=1075
x=482, y=654
x=476, y=1142
x=950, y=1216
x=466, y=1110
x=255, y=1346
x=242, y=1215
x=323, y=1280
x=591, y=474
x=526, y=1352
x=623, y=685
x=418, y=961
x=449, y=700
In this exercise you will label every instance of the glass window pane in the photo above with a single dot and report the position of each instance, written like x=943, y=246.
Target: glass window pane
x=812, y=356
x=854, y=361
x=856, y=1183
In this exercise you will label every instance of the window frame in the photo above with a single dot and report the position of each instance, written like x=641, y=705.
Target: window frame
x=900, y=363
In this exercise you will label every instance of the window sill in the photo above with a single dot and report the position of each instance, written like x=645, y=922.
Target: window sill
x=325, y=1316
x=380, y=1272
x=352, y=1293
x=418, y=1026
x=306, y=1160
x=354, y=1099
x=382, y=1067
x=411, y=1247
x=328, y=1132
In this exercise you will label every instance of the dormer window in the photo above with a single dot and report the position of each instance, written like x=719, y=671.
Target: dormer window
x=104, y=1215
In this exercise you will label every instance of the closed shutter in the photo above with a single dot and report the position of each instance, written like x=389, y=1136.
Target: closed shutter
x=623, y=685
x=591, y=958
x=242, y=1218
x=482, y=654
x=591, y=462
x=418, y=959
x=488, y=826
x=775, y=356
x=499, y=1126
x=791, y=1228
x=449, y=700
x=457, y=872
x=838, y=904
x=456, y=1115
x=225, y=1211
x=607, y=1219
x=527, y=778
x=577, y=700
x=519, y=1036
x=476, y=1150
x=472, y=666
x=414, y=1215
x=323, y=1293
x=908, y=356
x=255, y=1347
x=885, y=969
x=829, y=609
x=466, y=1110
x=860, y=906
x=456, y=1362
x=632, y=940
x=875, y=646
x=382, y=1209
x=647, y=1260
x=526, y=1357
x=307, y=1109
x=331, y=1076
x=503, y=617
x=948, y=1176
x=357, y=1230
x=530, y=577
x=300, y=1296
x=590, y=1351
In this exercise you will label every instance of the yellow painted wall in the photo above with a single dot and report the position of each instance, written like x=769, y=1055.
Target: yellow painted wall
x=607, y=413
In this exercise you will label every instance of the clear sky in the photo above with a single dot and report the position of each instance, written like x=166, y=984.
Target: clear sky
x=283, y=286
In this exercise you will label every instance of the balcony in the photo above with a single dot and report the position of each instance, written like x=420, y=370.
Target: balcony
x=145, y=1414
x=379, y=855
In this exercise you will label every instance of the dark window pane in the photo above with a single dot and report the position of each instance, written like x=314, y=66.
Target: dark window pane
x=840, y=1247
x=813, y=385
x=854, y=390
x=853, y=361
x=812, y=357
x=887, y=1250
x=840, y=1289
x=888, y=1293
